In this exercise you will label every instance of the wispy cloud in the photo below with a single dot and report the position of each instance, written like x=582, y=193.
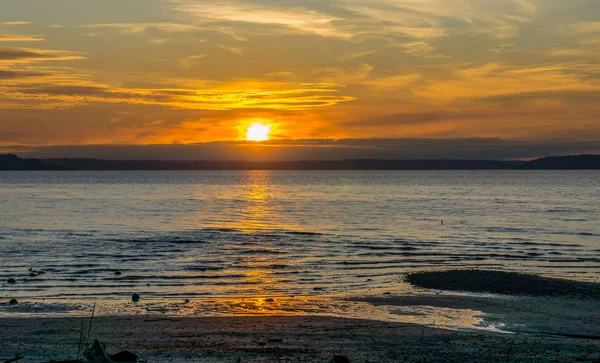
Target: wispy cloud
x=18, y=22
x=191, y=60
x=234, y=50
x=139, y=28
x=24, y=55
x=19, y=38
x=299, y=19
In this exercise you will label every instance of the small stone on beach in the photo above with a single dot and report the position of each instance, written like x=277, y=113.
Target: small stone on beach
x=11, y=281
x=118, y=273
x=339, y=359
x=135, y=297
x=13, y=302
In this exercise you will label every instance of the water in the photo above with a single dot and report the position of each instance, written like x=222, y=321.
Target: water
x=252, y=234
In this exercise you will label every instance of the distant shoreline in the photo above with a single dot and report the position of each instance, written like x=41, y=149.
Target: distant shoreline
x=576, y=162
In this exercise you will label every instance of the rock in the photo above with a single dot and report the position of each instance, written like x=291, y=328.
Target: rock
x=187, y=301
x=135, y=297
x=124, y=356
x=269, y=300
x=11, y=281
x=97, y=354
x=32, y=274
x=118, y=273
x=13, y=302
x=339, y=359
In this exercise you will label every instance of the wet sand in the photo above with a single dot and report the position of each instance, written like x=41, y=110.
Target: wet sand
x=284, y=339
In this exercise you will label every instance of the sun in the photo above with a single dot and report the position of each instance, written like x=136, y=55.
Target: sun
x=258, y=131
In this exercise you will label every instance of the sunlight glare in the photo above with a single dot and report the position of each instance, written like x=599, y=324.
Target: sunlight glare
x=258, y=132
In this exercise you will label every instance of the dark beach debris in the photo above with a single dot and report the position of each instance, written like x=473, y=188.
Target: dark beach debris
x=117, y=273
x=13, y=302
x=502, y=282
x=96, y=353
x=135, y=297
x=339, y=359
x=15, y=359
x=187, y=301
x=11, y=281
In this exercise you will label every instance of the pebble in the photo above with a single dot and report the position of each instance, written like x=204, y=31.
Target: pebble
x=339, y=359
x=11, y=281
x=13, y=302
x=118, y=273
x=135, y=297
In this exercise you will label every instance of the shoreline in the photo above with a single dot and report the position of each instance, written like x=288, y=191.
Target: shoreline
x=281, y=339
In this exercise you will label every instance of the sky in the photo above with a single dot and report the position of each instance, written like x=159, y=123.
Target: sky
x=332, y=78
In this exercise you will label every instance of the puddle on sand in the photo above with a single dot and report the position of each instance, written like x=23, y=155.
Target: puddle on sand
x=255, y=306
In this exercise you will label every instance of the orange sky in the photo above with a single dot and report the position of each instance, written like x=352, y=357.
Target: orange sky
x=183, y=71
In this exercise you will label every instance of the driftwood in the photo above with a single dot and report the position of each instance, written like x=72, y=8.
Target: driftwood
x=15, y=359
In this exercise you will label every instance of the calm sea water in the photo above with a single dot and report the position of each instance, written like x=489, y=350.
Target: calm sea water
x=261, y=233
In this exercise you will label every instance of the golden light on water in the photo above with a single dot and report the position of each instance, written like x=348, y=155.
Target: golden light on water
x=258, y=131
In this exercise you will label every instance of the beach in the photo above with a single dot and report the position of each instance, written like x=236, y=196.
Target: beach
x=284, y=339
x=554, y=320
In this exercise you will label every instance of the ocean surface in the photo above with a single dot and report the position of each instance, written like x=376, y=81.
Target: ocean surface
x=249, y=234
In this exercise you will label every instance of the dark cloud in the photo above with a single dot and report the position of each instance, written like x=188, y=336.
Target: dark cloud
x=17, y=74
x=17, y=53
x=71, y=90
x=325, y=149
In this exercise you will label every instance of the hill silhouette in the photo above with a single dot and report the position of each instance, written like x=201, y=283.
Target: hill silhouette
x=358, y=164
x=581, y=162
x=571, y=162
x=13, y=162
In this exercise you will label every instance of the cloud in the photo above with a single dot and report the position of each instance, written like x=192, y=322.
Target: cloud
x=18, y=38
x=251, y=95
x=355, y=55
x=494, y=79
x=393, y=82
x=15, y=23
x=18, y=74
x=585, y=27
x=23, y=55
x=300, y=19
x=234, y=50
x=191, y=60
x=139, y=28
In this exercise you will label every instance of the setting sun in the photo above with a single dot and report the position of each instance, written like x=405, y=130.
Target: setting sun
x=258, y=132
